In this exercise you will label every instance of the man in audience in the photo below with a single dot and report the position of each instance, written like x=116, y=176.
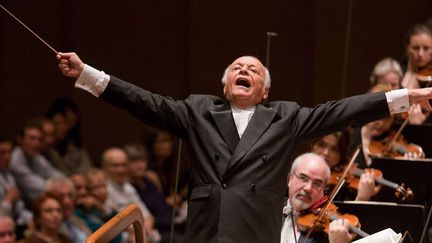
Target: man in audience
x=49, y=136
x=10, y=197
x=150, y=195
x=7, y=229
x=28, y=166
x=120, y=192
x=73, y=226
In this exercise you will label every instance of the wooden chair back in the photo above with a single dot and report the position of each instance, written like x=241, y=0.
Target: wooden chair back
x=130, y=215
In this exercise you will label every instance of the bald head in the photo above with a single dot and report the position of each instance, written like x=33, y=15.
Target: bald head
x=311, y=160
x=246, y=82
x=7, y=229
x=306, y=182
x=114, y=162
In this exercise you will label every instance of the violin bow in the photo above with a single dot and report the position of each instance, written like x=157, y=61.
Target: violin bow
x=334, y=192
x=395, y=137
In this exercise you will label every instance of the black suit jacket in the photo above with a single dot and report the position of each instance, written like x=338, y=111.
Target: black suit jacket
x=237, y=186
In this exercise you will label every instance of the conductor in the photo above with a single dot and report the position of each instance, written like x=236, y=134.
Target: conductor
x=239, y=146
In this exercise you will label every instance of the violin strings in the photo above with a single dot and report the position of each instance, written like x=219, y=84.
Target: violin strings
x=31, y=31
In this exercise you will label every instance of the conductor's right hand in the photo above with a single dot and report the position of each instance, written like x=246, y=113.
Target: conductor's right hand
x=70, y=64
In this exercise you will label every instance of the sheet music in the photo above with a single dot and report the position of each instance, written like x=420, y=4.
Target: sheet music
x=383, y=236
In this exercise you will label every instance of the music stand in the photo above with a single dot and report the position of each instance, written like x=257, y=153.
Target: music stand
x=414, y=173
x=376, y=216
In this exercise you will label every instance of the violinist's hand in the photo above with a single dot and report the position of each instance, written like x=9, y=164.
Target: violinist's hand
x=339, y=231
x=416, y=115
x=421, y=97
x=70, y=64
x=367, y=187
x=414, y=155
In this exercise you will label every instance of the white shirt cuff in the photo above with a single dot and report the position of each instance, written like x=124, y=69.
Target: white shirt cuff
x=398, y=100
x=92, y=80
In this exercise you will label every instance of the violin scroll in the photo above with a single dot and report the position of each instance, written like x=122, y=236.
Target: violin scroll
x=404, y=194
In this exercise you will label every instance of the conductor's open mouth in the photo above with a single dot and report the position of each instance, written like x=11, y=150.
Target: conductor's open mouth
x=243, y=82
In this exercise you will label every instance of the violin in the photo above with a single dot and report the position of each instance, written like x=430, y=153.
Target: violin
x=311, y=221
x=353, y=179
x=318, y=217
x=393, y=146
x=424, y=76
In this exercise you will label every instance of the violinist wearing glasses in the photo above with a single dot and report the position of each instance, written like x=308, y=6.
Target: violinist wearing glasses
x=306, y=182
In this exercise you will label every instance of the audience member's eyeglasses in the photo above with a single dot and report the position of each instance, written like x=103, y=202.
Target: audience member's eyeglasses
x=9, y=233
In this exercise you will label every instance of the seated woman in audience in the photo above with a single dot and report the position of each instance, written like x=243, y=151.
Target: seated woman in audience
x=163, y=161
x=149, y=194
x=48, y=218
x=333, y=149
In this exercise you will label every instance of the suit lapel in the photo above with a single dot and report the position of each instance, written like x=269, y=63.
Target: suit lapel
x=260, y=121
x=226, y=125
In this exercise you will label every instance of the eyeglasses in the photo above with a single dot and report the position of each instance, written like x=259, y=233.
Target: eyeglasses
x=304, y=179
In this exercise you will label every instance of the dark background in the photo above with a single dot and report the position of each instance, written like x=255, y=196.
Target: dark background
x=182, y=47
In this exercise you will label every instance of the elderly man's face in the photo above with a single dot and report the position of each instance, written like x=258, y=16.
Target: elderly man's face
x=115, y=165
x=245, y=82
x=306, y=184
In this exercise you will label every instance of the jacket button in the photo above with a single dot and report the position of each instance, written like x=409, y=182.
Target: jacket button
x=264, y=157
x=253, y=188
x=224, y=186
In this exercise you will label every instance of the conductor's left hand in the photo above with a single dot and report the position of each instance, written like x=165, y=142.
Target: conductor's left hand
x=70, y=64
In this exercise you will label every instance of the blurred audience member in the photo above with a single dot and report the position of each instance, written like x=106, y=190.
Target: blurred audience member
x=120, y=192
x=95, y=214
x=10, y=197
x=48, y=219
x=149, y=194
x=49, y=136
x=7, y=229
x=28, y=166
x=73, y=226
x=68, y=154
x=81, y=192
x=163, y=161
